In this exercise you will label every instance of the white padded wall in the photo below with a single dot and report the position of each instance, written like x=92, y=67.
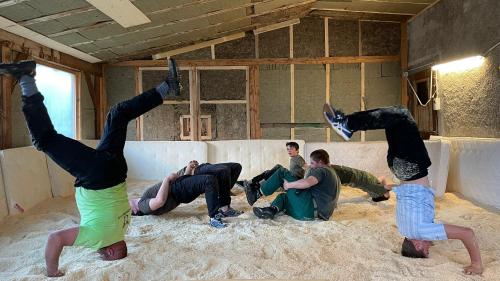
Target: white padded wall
x=60, y=180
x=255, y=156
x=372, y=157
x=4, y=211
x=439, y=152
x=26, y=177
x=475, y=169
x=153, y=160
x=366, y=156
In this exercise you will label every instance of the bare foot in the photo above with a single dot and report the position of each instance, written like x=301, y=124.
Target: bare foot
x=473, y=269
x=58, y=273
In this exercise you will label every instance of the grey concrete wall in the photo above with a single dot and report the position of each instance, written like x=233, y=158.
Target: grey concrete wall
x=471, y=101
x=451, y=30
x=120, y=86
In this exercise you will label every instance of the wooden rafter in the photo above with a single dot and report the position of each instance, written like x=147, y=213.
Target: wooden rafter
x=240, y=62
x=34, y=49
x=303, y=7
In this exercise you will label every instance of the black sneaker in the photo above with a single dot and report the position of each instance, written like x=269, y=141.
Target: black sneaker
x=265, y=213
x=18, y=69
x=173, y=78
x=252, y=192
x=337, y=120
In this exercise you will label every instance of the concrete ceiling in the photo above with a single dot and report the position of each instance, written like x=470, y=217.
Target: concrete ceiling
x=178, y=23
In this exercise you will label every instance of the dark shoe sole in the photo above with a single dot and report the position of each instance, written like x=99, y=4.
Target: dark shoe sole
x=262, y=215
x=248, y=191
x=19, y=69
x=380, y=198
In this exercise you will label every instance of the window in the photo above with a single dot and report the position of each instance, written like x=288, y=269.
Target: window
x=59, y=90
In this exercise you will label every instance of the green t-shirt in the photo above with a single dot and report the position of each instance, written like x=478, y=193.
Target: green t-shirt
x=297, y=166
x=104, y=216
x=325, y=192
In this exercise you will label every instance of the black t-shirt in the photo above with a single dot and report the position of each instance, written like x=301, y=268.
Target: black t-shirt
x=150, y=193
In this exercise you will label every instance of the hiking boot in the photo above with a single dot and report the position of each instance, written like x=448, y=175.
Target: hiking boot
x=251, y=192
x=230, y=213
x=18, y=69
x=337, y=120
x=173, y=78
x=265, y=212
x=217, y=222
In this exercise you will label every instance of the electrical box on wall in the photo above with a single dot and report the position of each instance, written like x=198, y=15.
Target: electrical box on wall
x=437, y=103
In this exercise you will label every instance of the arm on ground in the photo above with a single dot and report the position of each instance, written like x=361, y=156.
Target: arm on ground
x=55, y=243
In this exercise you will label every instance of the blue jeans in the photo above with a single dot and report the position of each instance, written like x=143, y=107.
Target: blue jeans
x=98, y=168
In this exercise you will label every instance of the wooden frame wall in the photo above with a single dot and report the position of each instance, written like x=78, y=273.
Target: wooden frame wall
x=253, y=73
x=251, y=99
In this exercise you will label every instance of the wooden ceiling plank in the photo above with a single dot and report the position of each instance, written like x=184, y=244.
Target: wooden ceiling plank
x=22, y=31
x=170, y=35
x=371, y=7
x=122, y=11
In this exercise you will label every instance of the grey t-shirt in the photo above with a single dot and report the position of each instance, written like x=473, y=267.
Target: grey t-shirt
x=325, y=192
x=297, y=166
x=150, y=193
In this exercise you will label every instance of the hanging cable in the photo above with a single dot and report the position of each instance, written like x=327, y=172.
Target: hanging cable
x=433, y=93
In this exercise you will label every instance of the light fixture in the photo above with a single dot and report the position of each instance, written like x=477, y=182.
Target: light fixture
x=459, y=65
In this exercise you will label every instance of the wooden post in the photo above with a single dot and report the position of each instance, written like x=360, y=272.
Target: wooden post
x=362, y=78
x=138, y=89
x=7, y=85
x=78, y=105
x=292, y=85
x=194, y=103
x=404, y=63
x=255, y=131
x=103, y=111
x=96, y=94
x=327, y=73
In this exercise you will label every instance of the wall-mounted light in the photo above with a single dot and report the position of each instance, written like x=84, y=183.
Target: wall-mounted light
x=459, y=65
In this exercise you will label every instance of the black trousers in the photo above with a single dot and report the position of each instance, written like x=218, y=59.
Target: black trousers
x=266, y=174
x=226, y=174
x=98, y=168
x=187, y=188
x=407, y=156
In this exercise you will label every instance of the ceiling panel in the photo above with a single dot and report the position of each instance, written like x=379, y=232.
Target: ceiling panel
x=177, y=23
